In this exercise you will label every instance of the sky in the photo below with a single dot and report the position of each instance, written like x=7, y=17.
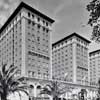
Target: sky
x=69, y=15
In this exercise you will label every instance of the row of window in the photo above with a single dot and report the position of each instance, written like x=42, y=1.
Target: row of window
x=81, y=41
x=94, y=54
x=33, y=26
x=59, y=45
x=38, y=75
x=70, y=39
x=9, y=27
x=37, y=19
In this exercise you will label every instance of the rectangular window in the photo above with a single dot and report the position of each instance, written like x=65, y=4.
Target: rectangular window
x=29, y=21
x=28, y=14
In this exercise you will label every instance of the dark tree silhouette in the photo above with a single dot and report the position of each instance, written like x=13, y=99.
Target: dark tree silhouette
x=98, y=94
x=9, y=83
x=94, y=14
x=82, y=93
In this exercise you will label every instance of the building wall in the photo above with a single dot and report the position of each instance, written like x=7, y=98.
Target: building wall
x=37, y=48
x=25, y=42
x=71, y=57
x=10, y=43
x=94, y=68
x=62, y=61
x=82, y=61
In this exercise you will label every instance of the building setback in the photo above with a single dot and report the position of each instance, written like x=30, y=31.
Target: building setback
x=70, y=59
x=94, y=68
x=25, y=42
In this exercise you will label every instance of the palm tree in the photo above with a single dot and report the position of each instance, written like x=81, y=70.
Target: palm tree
x=10, y=84
x=54, y=89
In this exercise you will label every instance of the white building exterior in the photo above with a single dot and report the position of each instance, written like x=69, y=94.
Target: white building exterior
x=70, y=55
x=25, y=42
x=94, y=67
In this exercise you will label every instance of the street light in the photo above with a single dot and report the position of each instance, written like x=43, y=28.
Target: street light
x=65, y=76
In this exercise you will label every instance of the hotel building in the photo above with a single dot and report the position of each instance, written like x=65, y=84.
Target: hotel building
x=25, y=42
x=94, y=68
x=70, y=59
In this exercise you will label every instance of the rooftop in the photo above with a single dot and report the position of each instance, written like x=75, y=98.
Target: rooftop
x=24, y=5
x=93, y=52
x=69, y=36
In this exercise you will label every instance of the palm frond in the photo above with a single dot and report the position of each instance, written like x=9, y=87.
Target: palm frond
x=11, y=76
x=4, y=69
x=61, y=92
x=10, y=84
x=45, y=91
x=1, y=90
x=15, y=81
x=49, y=87
x=11, y=70
x=1, y=77
x=20, y=90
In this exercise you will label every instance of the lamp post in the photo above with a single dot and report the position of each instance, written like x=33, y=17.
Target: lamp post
x=83, y=91
x=65, y=76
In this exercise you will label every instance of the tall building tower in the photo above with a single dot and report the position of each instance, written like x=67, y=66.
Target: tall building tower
x=94, y=68
x=70, y=59
x=25, y=42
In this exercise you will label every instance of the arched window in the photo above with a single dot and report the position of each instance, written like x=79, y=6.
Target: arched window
x=31, y=86
x=38, y=90
x=38, y=87
x=31, y=90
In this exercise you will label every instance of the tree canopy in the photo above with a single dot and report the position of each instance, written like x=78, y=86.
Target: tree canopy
x=10, y=84
x=54, y=89
x=94, y=18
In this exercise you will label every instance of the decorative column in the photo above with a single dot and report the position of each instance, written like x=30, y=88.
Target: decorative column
x=74, y=62
x=35, y=91
x=23, y=72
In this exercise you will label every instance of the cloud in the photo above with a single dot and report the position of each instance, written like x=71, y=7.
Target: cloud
x=2, y=19
x=13, y=6
x=59, y=8
x=6, y=8
x=3, y=6
x=62, y=5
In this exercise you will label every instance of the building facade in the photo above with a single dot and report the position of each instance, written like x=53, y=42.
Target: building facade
x=70, y=59
x=94, y=67
x=25, y=42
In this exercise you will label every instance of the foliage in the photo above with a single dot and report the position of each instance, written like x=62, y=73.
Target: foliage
x=98, y=94
x=9, y=83
x=94, y=14
x=81, y=93
x=53, y=89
